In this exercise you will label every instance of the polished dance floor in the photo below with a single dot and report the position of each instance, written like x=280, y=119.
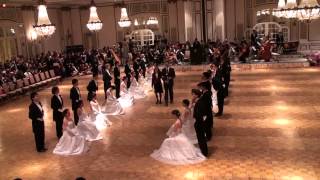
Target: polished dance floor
x=270, y=130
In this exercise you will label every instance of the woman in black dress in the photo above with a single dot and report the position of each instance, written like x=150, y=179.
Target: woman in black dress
x=157, y=84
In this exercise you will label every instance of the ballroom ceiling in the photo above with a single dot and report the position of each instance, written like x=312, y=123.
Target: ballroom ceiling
x=63, y=2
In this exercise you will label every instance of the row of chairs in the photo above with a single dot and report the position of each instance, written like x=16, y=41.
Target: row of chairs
x=29, y=83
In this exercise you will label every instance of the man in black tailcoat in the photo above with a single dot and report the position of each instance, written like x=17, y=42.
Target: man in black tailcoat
x=217, y=84
x=206, y=99
x=92, y=86
x=57, y=107
x=106, y=79
x=199, y=125
x=127, y=71
x=136, y=69
x=116, y=75
x=36, y=114
x=168, y=75
x=75, y=97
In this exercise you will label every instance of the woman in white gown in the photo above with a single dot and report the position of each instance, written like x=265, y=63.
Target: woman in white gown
x=99, y=118
x=112, y=105
x=188, y=121
x=147, y=85
x=177, y=148
x=86, y=127
x=71, y=142
x=126, y=99
x=136, y=90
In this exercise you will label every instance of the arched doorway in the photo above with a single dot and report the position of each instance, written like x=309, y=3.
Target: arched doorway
x=272, y=29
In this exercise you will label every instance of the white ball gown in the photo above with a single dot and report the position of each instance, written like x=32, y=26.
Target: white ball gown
x=188, y=125
x=71, y=142
x=126, y=99
x=136, y=90
x=215, y=107
x=177, y=148
x=87, y=128
x=147, y=81
x=112, y=106
x=98, y=117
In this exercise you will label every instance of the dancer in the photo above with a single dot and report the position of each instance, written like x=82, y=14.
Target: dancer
x=86, y=126
x=57, y=107
x=116, y=74
x=106, y=78
x=199, y=114
x=92, y=86
x=188, y=122
x=177, y=148
x=126, y=99
x=36, y=114
x=71, y=142
x=112, y=105
x=168, y=74
x=157, y=84
x=100, y=119
x=75, y=97
x=136, y=90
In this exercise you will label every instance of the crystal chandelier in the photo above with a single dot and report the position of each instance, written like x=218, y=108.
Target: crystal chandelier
x=124, y=19
x=43, y=26
x=263, y=12
x=290, y=9
x=308, y=10
x=94, y=23
x=152, y=21
x=277, y=12
x=136, y=23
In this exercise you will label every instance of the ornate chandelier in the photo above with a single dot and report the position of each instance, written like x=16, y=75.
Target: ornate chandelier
x=152, y=21
x=307, y=10
x=94, y=23
x=124, y=19
x=43, y=26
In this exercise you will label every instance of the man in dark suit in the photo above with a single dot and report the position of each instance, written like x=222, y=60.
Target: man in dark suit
x=57, y=107
x=127, y=71
x=226, y=73
x=116, y=75
x=207, y=107
x=136, y=68
x=168, y=75
x=199, y=125
x=217, y=84
x=106, y=79
x=92, y=86
x=143, y=68
x=75, y=97
x=36, y=115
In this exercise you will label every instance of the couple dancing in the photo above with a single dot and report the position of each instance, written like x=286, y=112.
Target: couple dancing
x=189, y=129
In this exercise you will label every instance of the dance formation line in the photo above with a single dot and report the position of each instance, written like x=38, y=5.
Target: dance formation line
x=193, y=125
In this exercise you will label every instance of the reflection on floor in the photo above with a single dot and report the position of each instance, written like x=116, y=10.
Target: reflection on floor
x=270, y=130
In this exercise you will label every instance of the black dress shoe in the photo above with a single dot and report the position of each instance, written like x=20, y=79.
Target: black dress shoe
x=218, y=115
x=43, y=150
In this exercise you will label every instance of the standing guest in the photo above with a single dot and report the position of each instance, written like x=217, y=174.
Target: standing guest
x=57, y=107
x=157, y=84
x=36, y=115
x=75, y=97
x=92, y=86
x=199, y=125
x=106, y=79
x=116, y=74
x=168, y=74
x=127, y=71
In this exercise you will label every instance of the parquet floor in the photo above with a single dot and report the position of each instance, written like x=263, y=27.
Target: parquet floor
x=270, y=130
